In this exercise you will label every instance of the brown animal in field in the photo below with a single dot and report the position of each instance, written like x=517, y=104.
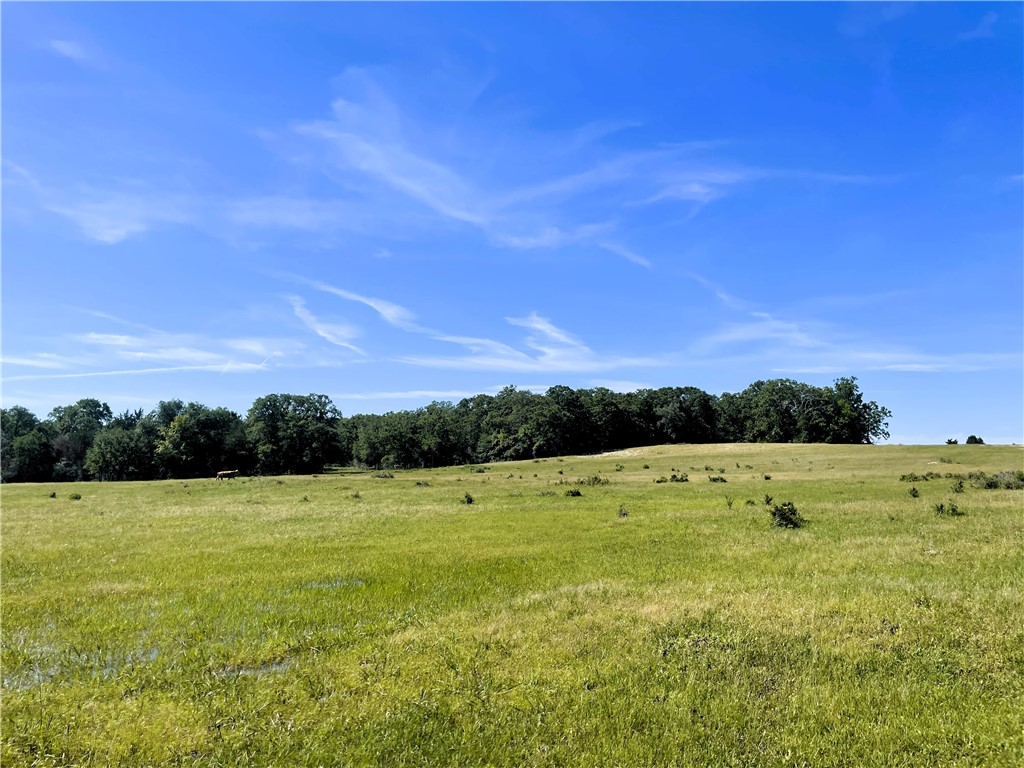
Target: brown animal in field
x=227, y=473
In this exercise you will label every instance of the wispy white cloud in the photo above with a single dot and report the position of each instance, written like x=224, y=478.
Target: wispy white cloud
x=36, y=361
x=337, y=334
x=983, y=29
x=112, y=218
x=80, y=54
x=624, y=252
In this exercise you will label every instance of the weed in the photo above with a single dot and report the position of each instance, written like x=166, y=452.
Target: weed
x=305, y=498
x=949, y=508
x=946, y=460
x=728, y=501
x=750, y=503
x=385, y=475
x=958, y=486
x=75, y=496
x=786, y=515
x=767, y=477
x=647, y=466
x=468, y=499
x=767, y=500
x=682, y=477
x=914, y=493
x=422, y=484
x=356, y=495
x=619, y=467
x=53, y=494
x=717, y=479
x=574, y=492
x=623, y=512
x=662, y=479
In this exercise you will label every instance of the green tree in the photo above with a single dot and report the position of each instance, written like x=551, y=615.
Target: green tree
x=76, y=427
x=121, y=454
x=294, y=434
x=201, y=441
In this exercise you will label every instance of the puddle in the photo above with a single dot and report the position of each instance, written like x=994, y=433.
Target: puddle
x=267, y=668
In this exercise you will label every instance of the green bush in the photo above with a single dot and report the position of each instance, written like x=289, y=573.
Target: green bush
x=974, y=440
x=786, y=515
x=574, y=492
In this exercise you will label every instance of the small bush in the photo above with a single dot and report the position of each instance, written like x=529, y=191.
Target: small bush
x=619, y=467
x=385, y=475
x=468, y=499
x=974, y=440
x=728, y=501
x=662, y=479
x=952, y=441
x=574, y=492
x=914, y=493
x=623, y=512
x=422, y=484
x=75, y=496
x=356, y=495
x=545, y=493
x=53, y=494
x=767, y=500
x=750, y=503
x=767, y=477
x=717, y=479
x=958, y=486
x=680, y=478
x=593, y=480
x=945, y=460
x=785, y=515
x=305, y=498
x=647, y=466
x=478, y=470
x=949, y=508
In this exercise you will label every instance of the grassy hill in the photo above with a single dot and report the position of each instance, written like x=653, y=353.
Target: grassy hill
x=359, y=618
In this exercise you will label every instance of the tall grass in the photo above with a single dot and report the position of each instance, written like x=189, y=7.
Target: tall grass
x=353, y=620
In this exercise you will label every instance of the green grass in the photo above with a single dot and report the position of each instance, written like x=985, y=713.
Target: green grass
x=349, y=619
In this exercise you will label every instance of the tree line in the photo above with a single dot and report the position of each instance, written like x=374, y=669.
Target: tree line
x=302, y=434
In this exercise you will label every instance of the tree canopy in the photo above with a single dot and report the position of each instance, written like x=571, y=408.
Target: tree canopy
x=302, y=434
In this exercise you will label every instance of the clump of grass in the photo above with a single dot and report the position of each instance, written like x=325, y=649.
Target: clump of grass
x=356, y=495
x=574, y=492
x=647, y=466
x=53, y=494
x=593, y=480
x=786, y=515
x=914, y=493
x=682, y=477
x=767, y=500
x=468, y=499
x=717, y=479
x=767, y=477
x=623, y=512
x=661, y=479
x=728, y=501
x=958, y=486
x=305, y=498
x=385, y=475
x=750, y=503
x=545, y=493
x=949, y=508
x=425, y=484
x=619, y=467
x=75, y=496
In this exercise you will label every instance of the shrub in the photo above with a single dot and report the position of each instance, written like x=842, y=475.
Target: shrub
x=785, y=515
x=974, y=440
x=958, y=486
x=680, y=478
x=945, y=460
x=647, y=466
x=949, y=508
x=53, y=494
x=623, y=512
x=750, y=503
x=422, y=484
x=914, y=493
x=767, y=500
x=593, y=480
x=767, y=477
x=619, y=467
x=356, y=495
x=385, y=475
x=468, y=499
x=717, y=479
x=728, y=501
x=574, y=492
x=662, y=479
x=75, y=496
x=952, y=441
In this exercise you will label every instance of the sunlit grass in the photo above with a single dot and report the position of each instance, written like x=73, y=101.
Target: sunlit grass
x=351, y=619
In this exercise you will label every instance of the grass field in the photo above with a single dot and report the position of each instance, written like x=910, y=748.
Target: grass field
x=351, y=619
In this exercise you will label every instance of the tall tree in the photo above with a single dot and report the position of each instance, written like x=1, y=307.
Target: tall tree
x=295, y=434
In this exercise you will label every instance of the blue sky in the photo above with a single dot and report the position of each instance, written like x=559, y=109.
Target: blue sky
x=392, y=204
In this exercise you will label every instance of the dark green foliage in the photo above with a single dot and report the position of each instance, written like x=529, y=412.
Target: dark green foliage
x=75, y=496
x=952, y=441
x=974, y=440
x=294, y=434
x=958, y=486
x=914, y=493
x=574, y=492
x=467, y=499
x=680, y=478
x=785, y=515
x=717, y=479
x=623, y=512
x=767, y=477
x=949, y=508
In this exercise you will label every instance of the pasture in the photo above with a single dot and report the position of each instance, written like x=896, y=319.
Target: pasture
x=358, y=619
